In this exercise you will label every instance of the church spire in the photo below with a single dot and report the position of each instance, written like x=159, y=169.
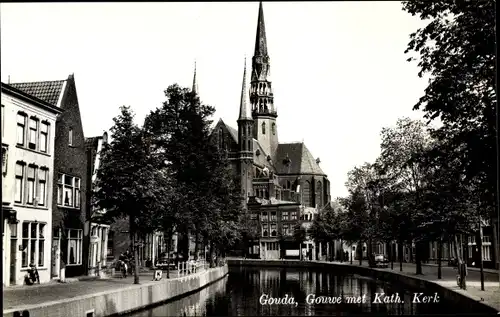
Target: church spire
x=195, y=82
x=245, y=113
x=260, y=40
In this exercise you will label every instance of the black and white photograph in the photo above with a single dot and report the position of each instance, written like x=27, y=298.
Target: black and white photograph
x=261, y=158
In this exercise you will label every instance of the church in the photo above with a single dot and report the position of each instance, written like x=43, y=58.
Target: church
x=282, y=183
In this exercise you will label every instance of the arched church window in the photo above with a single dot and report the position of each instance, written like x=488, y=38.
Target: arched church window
x=273, y=128
x=249, y=131
x=249, y=148
x=306, y=194
x=318, y=193
x=263, y=128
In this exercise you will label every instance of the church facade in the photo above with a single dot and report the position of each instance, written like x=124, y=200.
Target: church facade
x=282, y=184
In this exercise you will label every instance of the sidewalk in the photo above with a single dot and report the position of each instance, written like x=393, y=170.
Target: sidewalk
x=490, y=295
x=24, y=295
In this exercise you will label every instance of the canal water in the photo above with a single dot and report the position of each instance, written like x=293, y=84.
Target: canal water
x=316, y=293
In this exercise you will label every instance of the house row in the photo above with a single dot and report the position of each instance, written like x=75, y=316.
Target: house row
x=48, y=169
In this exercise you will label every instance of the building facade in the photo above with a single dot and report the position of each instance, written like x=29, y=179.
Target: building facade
x=69, y=182
x=280, y=178
x=95, y=225
x=28, y=149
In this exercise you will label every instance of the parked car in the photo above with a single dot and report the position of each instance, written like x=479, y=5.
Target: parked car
x=381, y=261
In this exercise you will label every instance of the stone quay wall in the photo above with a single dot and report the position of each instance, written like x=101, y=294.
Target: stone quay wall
x=126, y=299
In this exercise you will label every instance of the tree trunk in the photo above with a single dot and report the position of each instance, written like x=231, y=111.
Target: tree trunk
x=169, y=247
x=196, y=247
x=440, y=256
x=136, y=260
x=411, y=251
x=495, y=254
x=392, y=254
x=400, y=254
x=418, y=257
x=479, y=244
x=359, y=250
x=132, y=232
x=460, y=261
x=211, y=252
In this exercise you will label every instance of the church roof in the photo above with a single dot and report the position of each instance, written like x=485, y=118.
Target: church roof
x=301, y=160
x=48, y=91
x=233, y=132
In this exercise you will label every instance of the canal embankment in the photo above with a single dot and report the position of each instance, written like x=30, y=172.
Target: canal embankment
x=117, y=298
x=484, y=301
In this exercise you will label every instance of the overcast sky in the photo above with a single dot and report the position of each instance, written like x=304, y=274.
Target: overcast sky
x=339, y=71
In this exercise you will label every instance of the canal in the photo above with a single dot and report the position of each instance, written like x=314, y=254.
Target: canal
x=241, y=293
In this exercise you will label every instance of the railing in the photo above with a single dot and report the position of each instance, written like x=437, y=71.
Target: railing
x=191, y=267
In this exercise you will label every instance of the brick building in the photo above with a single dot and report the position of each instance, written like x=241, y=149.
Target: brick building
x=70, y=175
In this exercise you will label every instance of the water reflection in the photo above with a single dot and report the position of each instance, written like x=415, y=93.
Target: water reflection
x=239, y=293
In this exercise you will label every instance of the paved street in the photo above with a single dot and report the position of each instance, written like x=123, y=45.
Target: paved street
x=21, y=296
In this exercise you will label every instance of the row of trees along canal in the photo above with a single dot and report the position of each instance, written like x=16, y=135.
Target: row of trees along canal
x=433, y=183
x=169, y=176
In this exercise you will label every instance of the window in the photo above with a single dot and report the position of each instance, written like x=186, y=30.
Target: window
x=294, y=215
x=286, y=230
x=19, y=182
x=33, y=245
x=41, y=243
x=249, y=145
x=68, y=191
x=274, y=233
x=74, y=247
x=249, y=131
x=263, y=128
x=42, y=186
x=33, y=133
x=111, y=236
x=273, y=128
x=284, y=216
x=31, y=185
x=60, y=189
x=273, y=216
x=44, y=133
x=264, y=216
x=265, y=231
x=70, y=137
x=21, y=124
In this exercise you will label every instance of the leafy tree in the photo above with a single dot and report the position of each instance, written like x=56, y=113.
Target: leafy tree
x=299, y=235
x=127, y=181
x=457, y=49
x=211, y=204
x=400, y=145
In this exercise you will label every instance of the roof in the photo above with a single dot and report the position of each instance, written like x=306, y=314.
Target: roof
x=48, y=91
x=18, y=93
x=301, y=160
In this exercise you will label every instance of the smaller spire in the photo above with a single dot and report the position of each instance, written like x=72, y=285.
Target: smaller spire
x=245, y=100
x=195, y=82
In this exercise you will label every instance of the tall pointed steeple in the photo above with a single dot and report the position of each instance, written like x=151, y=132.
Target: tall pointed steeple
x=260, y=40
x=195, y=82
x=245, y=111
x=261, y=92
